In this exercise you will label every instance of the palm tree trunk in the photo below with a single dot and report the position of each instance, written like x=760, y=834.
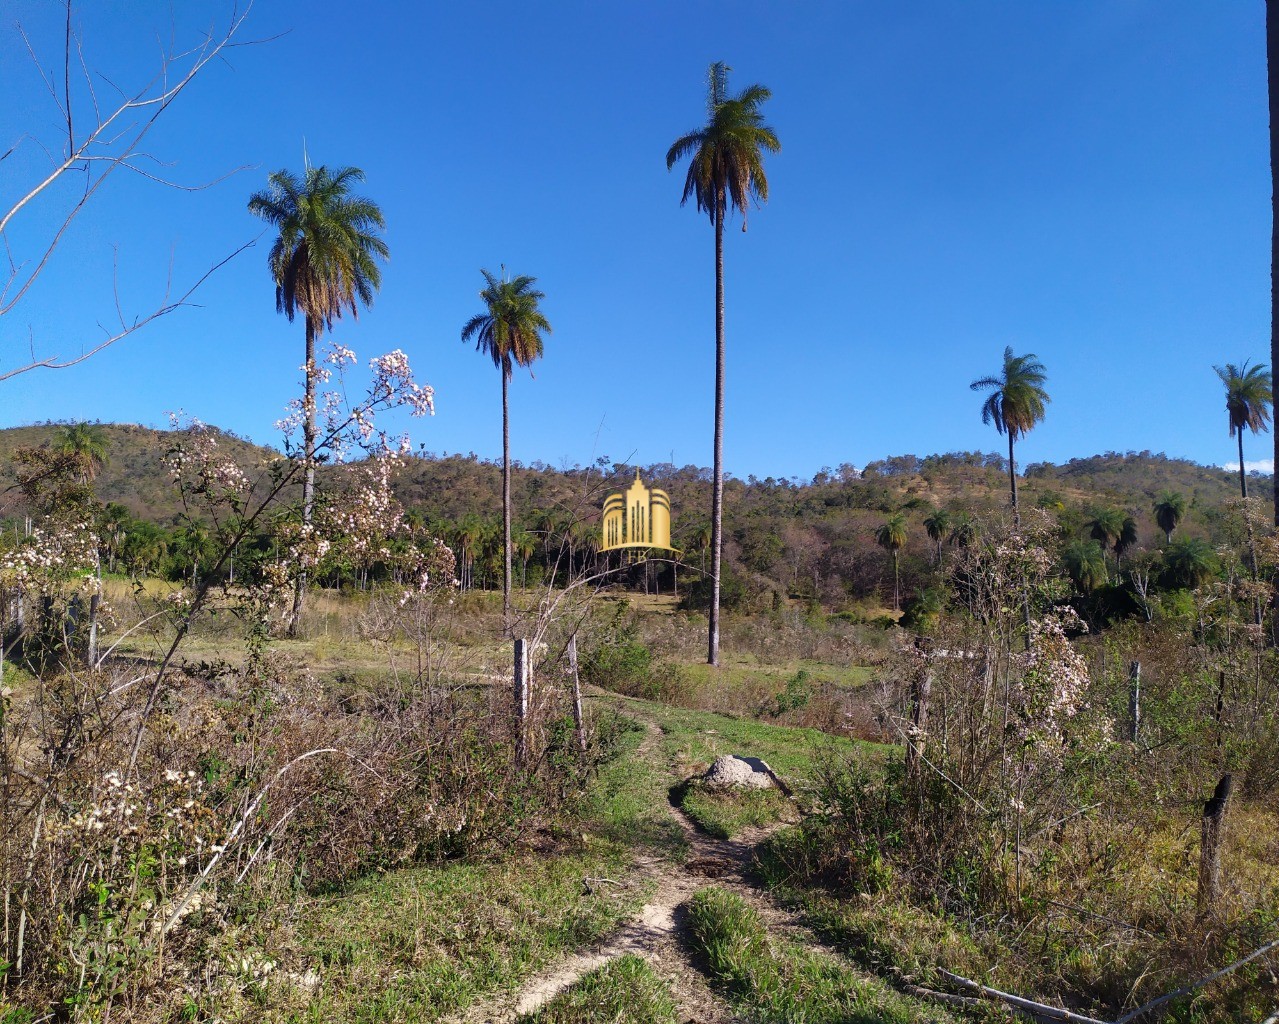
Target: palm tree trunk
x=1272, y=76
x=1012, y=478
x=897, y=600
x=308, y=455
x=1243, y=480
x=506, y=505
x=717, y=491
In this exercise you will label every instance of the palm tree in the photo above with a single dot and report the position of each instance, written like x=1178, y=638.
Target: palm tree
x=937, y=524
x=86, y=445
x=324, y=263
x=524, y=544
x=1190, y=562
x=1127, y=538
x=509, y=331
x=701, y=542
x=470, y=535
x=1105, y=526
x=1249, y=395
x=1272, y=78
x=1170, y=509
x=1085, y=564
x=1016, y=402
x=963, y=530
x=891, y=536
x=725, y=170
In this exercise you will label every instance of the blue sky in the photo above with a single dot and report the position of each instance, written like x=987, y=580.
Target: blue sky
x=1088, y=181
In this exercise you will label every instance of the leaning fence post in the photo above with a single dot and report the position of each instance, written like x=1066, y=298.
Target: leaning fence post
x=1214, y=831
x=522, y=674
x=1134, y=700
x=577, y=694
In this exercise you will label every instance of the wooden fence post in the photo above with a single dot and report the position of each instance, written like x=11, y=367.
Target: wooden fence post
x=1214, y=831
x=918, y=722
x=1134, y=700
x=522, y=676
x=577, y=694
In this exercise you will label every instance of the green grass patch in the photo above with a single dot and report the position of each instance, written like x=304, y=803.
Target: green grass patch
x=693, y=739
x=776, y=980
x=744, y=673
x=418, y=944
x=623, y=991
x=627, y=804
x=726, y=813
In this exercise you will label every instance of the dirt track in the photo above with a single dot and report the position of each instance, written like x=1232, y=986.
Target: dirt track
x=654, y=933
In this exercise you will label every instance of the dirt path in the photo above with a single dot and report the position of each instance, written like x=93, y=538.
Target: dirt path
x=654, y=932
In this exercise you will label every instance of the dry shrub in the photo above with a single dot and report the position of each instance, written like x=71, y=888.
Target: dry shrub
x=116, y=870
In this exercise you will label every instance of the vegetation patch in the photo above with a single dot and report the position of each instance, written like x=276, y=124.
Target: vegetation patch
x=623, y=991
x=780, y=980
x=724, y=814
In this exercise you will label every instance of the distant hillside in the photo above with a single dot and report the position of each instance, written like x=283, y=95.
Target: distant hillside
x=814, y=536
x=135, y=475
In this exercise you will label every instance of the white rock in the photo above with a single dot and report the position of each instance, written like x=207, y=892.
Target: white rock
x=733, y=772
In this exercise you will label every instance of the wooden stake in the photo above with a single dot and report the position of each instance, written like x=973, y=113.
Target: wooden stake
x=1134, y=700
x=1214, y=831
x=522, y=676
x=577, y=694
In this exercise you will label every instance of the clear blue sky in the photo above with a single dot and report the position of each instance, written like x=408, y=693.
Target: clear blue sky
x=1088, y=181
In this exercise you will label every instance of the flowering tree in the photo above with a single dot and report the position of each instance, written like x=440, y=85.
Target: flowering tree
x=106, y=804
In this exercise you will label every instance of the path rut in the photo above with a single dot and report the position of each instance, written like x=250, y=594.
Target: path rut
x=654, y=932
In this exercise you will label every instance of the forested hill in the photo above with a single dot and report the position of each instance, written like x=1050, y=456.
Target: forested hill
x=784, y=531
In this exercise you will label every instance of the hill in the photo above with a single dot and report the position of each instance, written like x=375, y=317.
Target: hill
x=806, y=538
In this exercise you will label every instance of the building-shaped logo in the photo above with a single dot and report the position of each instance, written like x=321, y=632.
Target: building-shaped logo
x=639, y=517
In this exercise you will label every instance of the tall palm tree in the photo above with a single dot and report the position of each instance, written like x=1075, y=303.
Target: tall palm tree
x=524, y=544
x=1016, y=402
x=1170, y=509
x=891, y=536
x=937, y=523
x=324, y=263
x=509, y=332
x=725, y=171
x=1249, y=395
x=701, y=542
x=86, y=444
x=470, y=535
x=1272, y=78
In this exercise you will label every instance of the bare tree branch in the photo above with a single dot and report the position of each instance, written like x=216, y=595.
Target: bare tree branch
x=95, y=149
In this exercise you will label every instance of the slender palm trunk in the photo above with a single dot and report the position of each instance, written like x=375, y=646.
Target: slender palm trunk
x=308, y=455
x=717, y=493
x=1012, y=478
x=1272, y=75
x=506, y=505
x=1243, y=480
x=897, y=593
